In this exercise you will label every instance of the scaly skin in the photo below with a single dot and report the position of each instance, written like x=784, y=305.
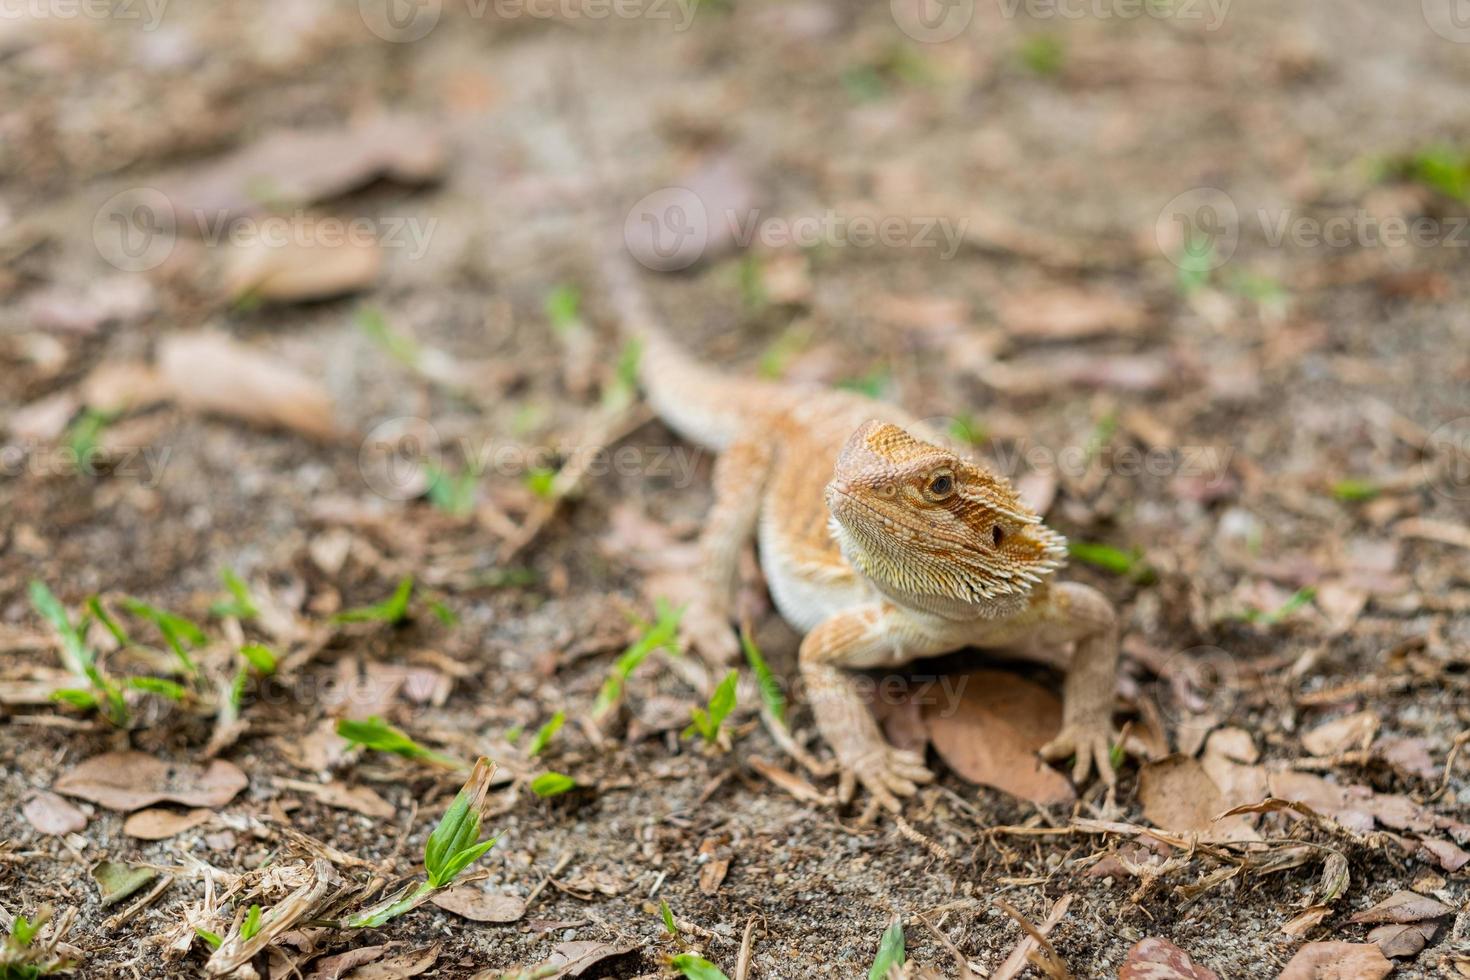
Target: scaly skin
x=880, y=545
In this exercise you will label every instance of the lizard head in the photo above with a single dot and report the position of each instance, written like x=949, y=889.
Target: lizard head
x=934, y=529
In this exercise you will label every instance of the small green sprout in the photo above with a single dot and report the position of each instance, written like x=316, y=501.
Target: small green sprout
x=213, y=939
x=707, y=722
x=623, y=388
x=453, y=845
x=179, y=633
x=1355, y=490
x=546, y=733
x=453, y=493
x=552, y=784
x=1114, y=560
x=541, y=481
x=770, y=687
x=375, y=733
x=239, y=605
x=160, y=686
x=874, y=384
x=667, y=914
x=99, y=612
x=23, y=958
x=443, y=613
x=1439, y=168
x=84, y=436
x=890, y=952
x=1299, y=599
x=400, y=347
x=664, y=632
x=256, y=657
x=564, y=308
x=696, y=967
x=251, y=926
x=968, y=430
x=777, y=357
x=752, y=287
x=393, y=609
x=1044, y=54
x=100, y=693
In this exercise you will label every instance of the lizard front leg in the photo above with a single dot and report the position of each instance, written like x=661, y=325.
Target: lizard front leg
x=1080, y=614
x=865, y=636
x=739, y=482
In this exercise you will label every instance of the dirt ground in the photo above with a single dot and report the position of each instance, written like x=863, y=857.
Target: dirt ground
x=1193, y=274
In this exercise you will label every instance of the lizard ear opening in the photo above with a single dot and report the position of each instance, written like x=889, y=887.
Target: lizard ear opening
x=997, y=535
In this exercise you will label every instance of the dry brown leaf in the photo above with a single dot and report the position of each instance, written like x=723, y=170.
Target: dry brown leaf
x=478, y=905
x=1354, y=731
x=1066, y=313
x=1400, y=940
x=160, y=824
x=1306, y=920
x=1158, y=959
x=122, y=387
x=409, y=963
x=336, y=966
x=789, y=781
x=991, y=732
x=210, y=372
x=1402, y=907
x=126, y=781
x=1337, y=961
x=52, y=815
x=594, y=882
x=315, y=267
x=1178, y=795
x=295, y=167
x=1430, y=530
x=359, y=799
x=569, y=959
x=45, y=419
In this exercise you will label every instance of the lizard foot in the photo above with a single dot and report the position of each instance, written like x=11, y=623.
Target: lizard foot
x=707, y=629
x=1091, y=743
x=886, y=772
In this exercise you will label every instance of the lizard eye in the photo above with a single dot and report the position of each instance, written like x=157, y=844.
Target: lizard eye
x=941, y=485
x=997, y=535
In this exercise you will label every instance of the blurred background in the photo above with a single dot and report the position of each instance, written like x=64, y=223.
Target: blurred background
x=308, y=290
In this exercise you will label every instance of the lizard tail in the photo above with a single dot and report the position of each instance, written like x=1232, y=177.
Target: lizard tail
x=703, y=405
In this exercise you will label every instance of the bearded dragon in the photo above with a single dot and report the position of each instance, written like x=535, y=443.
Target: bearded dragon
x=878, y=543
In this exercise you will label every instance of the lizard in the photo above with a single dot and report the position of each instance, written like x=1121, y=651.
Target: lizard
x=877, y=542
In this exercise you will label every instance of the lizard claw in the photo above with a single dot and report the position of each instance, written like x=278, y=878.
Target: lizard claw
x=707, y=629
x=1091, y=743
x=886, y=772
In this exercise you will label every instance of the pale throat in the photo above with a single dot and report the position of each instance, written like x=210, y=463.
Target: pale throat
x=892, y=577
